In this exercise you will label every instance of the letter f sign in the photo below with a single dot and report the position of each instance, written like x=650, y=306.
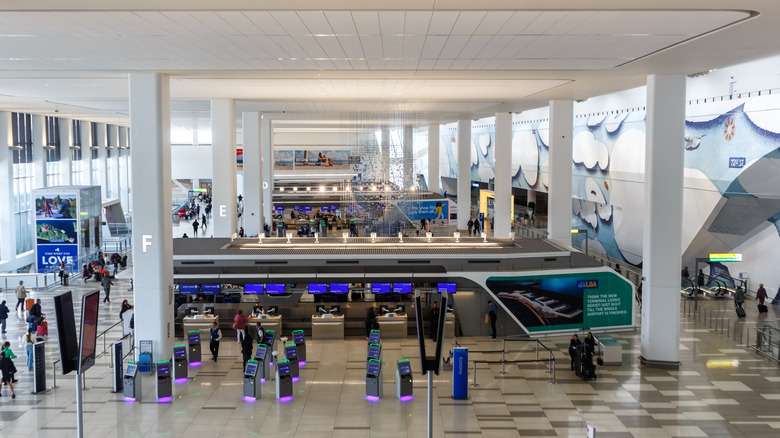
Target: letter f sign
x=146, y=241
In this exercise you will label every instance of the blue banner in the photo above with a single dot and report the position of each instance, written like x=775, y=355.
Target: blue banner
x=430, y=210
x=460, y=373
x=50, y=256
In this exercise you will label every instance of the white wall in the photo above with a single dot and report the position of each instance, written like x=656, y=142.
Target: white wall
x=190, y=162
x=759, y=255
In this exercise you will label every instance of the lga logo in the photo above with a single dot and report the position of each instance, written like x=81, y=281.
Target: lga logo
x=587, y=284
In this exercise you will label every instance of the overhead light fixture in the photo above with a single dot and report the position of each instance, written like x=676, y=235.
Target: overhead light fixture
x=322, y=188
x=335, y=189
x=387, y=188
x=308, y=189
x=348, y=188
x=281, y=189
x=295, y=189
x=373, y=188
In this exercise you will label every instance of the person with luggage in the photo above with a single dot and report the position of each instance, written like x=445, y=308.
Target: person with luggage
x=739, y=299
x=4, y=311
x=6, y=367
x=21, y=294
x=106, y=283
x=215, y=335
x=63, y=272
x=575, y=345
x=36, y=315
x=29, y=341
x=760, y=297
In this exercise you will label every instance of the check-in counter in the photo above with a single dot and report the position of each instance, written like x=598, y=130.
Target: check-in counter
x=393, y=325
x=199, y=322
x=449, y=326
x=268, y=322
x=613, y=350
x=327, y=326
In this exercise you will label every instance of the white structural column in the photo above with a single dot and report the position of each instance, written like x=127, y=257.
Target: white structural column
x=267, y=176
x=150, y=117
x=559, y=205
x=223, y=158
x=663, y=220
x=102, y=160
x=503, y=181
x=409, y=176
x=385, y=137
x=7, y=222
x=86, y=154
x=66, y=156
x=464, y=173
x=124, y=171
x=253, y=170
x=39, y=152
x=434, y=174
x=113, y=177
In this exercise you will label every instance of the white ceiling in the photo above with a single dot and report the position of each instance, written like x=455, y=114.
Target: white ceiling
x=439, y=59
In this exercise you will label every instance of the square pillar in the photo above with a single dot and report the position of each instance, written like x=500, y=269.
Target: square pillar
x=503, y=180
x=223, y=160
x=559, y=205
x=464, y=174
x=253, y=180
x=434, y=172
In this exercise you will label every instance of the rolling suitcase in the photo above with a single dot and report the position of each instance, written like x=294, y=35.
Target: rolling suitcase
x=762, y=308
x=28, y=303
x=740, y=311
x=43, y=329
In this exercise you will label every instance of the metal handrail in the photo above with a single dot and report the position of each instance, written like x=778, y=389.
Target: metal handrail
x=104, y=338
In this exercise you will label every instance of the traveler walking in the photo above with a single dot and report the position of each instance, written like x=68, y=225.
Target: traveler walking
x=21, y=294
x=195, y=226
x=6, y=365
x=239, y=323
x=106, y=283
x=4, y=311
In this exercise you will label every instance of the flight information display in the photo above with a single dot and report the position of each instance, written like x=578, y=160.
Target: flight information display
x=381, y=288
x=318, y=288
x=253, y=288
x=339, y=288
x=210, y=289
x=275, y=288
x=450, y=288
x=402, y=288
x=188, y=289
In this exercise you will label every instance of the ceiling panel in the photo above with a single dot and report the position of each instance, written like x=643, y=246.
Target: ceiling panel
x=442, y=22
x=341, y=22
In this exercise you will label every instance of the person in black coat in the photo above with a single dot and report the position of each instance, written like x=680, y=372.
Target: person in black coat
x=370, y=321
x=6, y=368
x=246, y=348
x=574, y=347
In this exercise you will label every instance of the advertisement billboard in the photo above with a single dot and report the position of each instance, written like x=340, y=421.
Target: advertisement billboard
x=437, y=210
x=50, y=256
x=89, y=325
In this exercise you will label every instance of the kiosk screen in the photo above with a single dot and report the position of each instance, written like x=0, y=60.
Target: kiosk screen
x=450, y=288
x=380, y=288
x=339, y=288
x=260, y=352
x=274, y=288
x=210, y=289
x=130, y=372
x=298, y=338
x=253, y=288
x=188, y=289
x=404, y=368
x=402, y=288
x=251, y=369
x=163, y=370
x=318, y=288
x=373, y=369
x=374, y=338
x=291, y=352
x=373, y=351
x=194, y=338
x=269, y=337
x=284, y=369
x=180, y=353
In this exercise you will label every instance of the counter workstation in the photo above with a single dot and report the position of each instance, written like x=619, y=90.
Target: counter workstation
x=327, y=326
x=199, y=322
x=268, y=322
x=393, y=325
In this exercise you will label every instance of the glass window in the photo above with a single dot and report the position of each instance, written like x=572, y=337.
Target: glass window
x=22, y=181
x=75, y=127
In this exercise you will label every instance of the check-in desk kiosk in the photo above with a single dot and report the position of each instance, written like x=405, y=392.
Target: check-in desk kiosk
x=252, y=387
x=291, y=354
x=270, y=340
x=403, y=379
x=199, y=322
x=374, y=337
x=266, y=322
x=327, y=326
x=374, y=352
x=164, y=384
x=131, y=386
x=300, y=344
x=374, y=378
x=393, y=325
x=193, y=342
x=263, y=357
x=284, y=383
x=180, y=361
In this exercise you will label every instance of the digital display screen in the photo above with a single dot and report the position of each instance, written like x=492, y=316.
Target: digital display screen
x=318, y=288
x=334, y=208
x=253, y=288
x=279, y=208
x=373, y=352
x=269, y=338
x=89, y=322
x=163, y=370
x=380, y=206
x=374, y=337
x=291, y=352
x=339, y=288
x=194, y=338
x=373, y=369
x=297, y=208
x=210, y=289
x=298, y=338
x=381, y=288
x=260, y=352
x=307, y=209
x=402, y=288
x=450, y=288
x=275, y=288
x=131, y=369
x=188, y=289
x=251, y=369
x=325, y=208
x=404, y=368
x=284, y=369
x=179, y=353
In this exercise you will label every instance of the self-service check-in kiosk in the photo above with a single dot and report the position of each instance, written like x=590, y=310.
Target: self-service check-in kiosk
x=300, y=344
x=374, y=337
x=270, y=340
x=180, y=361
x=251, y=380
x=284, y=383
x=374, y=352
x=263, y=357
x=291, y=354
x=403, y=379
x=131, y=387
x=193, y=341
x=164, y=385
x=374, y=378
